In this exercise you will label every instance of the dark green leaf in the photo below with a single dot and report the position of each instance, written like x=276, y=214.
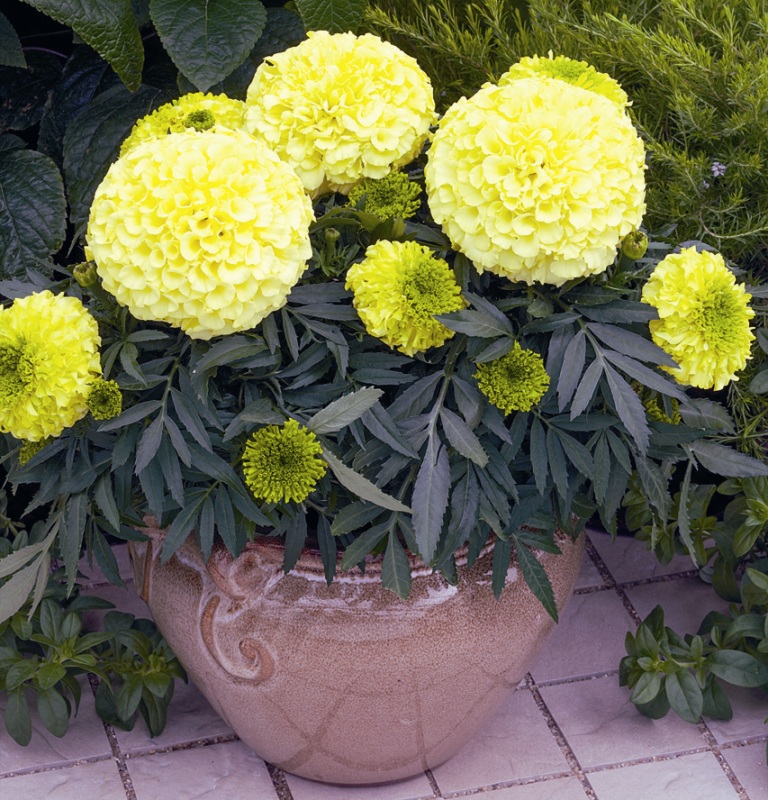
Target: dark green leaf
x=20, y=672
x=129, y=697
x=295, y=537
x=495, y=350
x=24, y=92
x=17, y=589
x=759, y=384
x=550, y=322
x=50, y=674
x=573, y=365
x=646, y=688
x=647, y=377
x=557, y=465
x=345, y=410
x=430, y=498
x=385, y=429
x=182, y=525
x=17, y=718
x=586, y=388
x=71, y=535
x=32, y=211
x=206, y=527
x=684, y=695
x=725, y=461
x=11, y=54
x=475, y=323
x=502, y=550
x=105, y=500
x=53, y=711
x=631, y=344
x=149, y=443
x=629, y=408
x=336, y=16
x=105, y=558
x=108, y=26
x=461, y=437
x=354, y=516
x=620, y=311
x=363, y=545
x=93, y=140
x=208, y=39
x=536, y=578
x=654, y=485
x=716, y=702
x=415, y=398
x=361, y=486
x=539, y=459
x=698, y=412
x=395, y=569
x=190, y=419
x=602, y=461
x=469, y=401
x=740, y=669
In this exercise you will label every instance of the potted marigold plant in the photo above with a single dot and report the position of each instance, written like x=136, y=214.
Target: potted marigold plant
x=351, y=378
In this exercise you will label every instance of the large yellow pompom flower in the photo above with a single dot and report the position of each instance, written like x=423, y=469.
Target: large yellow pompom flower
x=399, y=287
x=340, y=107
x=206, y=231
x=194, y=111
x=49, y=357
x=562, y=68
x=703, y=317
x=537, y=180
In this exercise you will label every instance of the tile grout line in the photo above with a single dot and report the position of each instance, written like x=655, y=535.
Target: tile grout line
x=279, y=782
x=191, y=744
x=436, y=791
x=117, y=754
x=38, y=768
x=479, y=791
x=714, y=748
x=562, y=742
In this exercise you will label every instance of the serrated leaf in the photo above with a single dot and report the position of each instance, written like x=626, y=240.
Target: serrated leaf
x=430, y=498
x=208, y=39
x=363, y=544
x=539, y=460
x=573, y=365
x=354, y=516
x=361, y=486
x=646, y=376
x=631, y=344
x=11, y=54
x=461, y=437
x=723, y=460
x=93, y=140
x=684, y=695
x=149, y=443
x=395, y=569
x=32, y=211
x=345, y=410
x=336, y=16
x=536, y=577
x=384, y=428
x=475, y=323
x=557, y=465
x=17, y=589
x=105, y=558
x=206, y=527
x=295, y=537
x=698, y=412
x=71, y=535
x=108, y=26
x=586, y=388
x=654, y=485
x=182, y=525
x=629, y=408
x=18, y=558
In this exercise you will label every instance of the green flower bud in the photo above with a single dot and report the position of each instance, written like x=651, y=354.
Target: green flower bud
x=332, y=236
x=202, y=120
x=29, y=449
x=634, y=245
x=105, y=400
x=85, y=274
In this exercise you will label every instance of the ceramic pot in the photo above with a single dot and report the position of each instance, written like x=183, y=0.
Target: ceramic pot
x=347, y=683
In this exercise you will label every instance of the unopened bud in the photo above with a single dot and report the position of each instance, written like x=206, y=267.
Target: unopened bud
x=85, y=274
x=332, y=236
x=201, y=120
x=634, y=245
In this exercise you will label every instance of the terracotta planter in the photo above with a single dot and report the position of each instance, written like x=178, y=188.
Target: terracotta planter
x=347, y=683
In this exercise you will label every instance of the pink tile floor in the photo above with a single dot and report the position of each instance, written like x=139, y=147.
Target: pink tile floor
x=569, y=732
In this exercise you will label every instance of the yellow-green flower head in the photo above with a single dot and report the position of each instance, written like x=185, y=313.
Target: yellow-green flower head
x=29, y=449
x=340, y=107
x=49, y=356
x=562, y=68
x=395, y=195
x=195, y=111
x=514, y=382
x=703, y=317
x=537, y=181
x=399, y=287
x=281, y=463
x=208, y=232
x=105, y=400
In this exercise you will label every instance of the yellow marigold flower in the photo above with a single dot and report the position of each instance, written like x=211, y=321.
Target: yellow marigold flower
x=195, y=111
x=536, y=180
x=703, y=317
x=208, y=232
x=49, y=356
x=399, y=287
x=281, y=463
x=514, y=382
x=395, y=195
x=562, y=68
x=340, y=107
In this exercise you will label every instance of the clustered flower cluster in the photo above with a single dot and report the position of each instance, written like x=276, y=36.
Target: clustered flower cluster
x=537, y=179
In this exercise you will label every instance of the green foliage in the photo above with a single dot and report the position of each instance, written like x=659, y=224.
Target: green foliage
x=42, y=653
x=335, y=16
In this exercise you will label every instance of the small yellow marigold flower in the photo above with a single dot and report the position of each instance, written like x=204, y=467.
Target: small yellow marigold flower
x=281, y=463
x=562, y=68
x=340, y=108
x=514, y=382
x=195, y=111
x=399, y=287
x=49, y=356
x=208, y=232
x=703, y=317
x=537, y=181
x=105, y=400
x=392, y=196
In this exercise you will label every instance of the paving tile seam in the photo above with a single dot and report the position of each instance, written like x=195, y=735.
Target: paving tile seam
x=433, y=783
x=117, y=753
x=478, y=791
x=68, y=764
x=724, y=765
x=561, y=740
x=590, y=676
x=737, y=744
x=279, y=782
x=190, y=744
